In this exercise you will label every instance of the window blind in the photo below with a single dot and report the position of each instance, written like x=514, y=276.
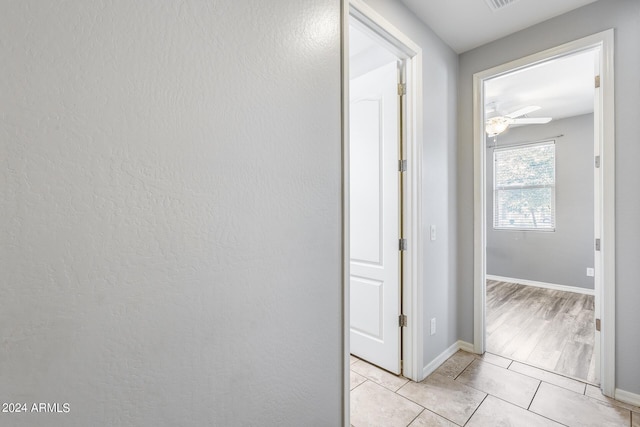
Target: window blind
x=524, y=187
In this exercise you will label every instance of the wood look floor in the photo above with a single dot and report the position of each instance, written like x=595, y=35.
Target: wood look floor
x=553, y=330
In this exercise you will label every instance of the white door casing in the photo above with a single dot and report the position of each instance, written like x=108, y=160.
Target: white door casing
x=597, y=216
x=374, y=218
x=604, y=184
x=358, y=13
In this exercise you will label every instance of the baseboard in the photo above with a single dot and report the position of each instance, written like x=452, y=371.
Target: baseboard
x=442, y=357
x=627, y=397
x=544, y=285
x=466, y=346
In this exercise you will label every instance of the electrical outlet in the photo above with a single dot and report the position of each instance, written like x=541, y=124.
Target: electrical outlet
x=433, y=326
x=433, y=232
x=590, y=272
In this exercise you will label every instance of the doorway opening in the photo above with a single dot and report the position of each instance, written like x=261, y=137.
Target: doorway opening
x=382, y=104
x=376, y=208
x=543, y=153
x=540, y=225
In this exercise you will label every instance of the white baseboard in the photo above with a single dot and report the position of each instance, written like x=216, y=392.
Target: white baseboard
x=466, y=346
x=627, y=397
x=544, y=285
x=442, y=357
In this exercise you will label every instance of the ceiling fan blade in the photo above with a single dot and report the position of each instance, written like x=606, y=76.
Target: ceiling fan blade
x=523, y=111
x=531, y=121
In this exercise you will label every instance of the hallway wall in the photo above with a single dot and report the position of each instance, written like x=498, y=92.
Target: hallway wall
x=171, y=212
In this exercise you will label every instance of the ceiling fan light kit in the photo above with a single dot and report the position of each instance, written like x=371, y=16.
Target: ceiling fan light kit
x=498, y=124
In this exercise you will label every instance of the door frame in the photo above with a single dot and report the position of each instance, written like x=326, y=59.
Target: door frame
x=405, y=48
x=604, y=206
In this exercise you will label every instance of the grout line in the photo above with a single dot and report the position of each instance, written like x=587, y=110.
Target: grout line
x=414, y=418
x=580, y=380
x=425, y=408
x=482, y=359
x=584, y=391
x=535, y=413
x=534, y=394
x=463, y=369
x=403, y=386
x=475, y=410
x=365, y=380
x=442, y=416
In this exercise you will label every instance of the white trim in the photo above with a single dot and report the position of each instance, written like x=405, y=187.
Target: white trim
x=412, y=293
x=346, y=274
x=442, y=357
x=608, y=218
x=627, y=397
x=604, y=43
x=384, y=29
x=544, y=285
x=466, y=346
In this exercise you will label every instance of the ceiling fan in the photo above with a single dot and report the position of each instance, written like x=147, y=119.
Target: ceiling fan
x=498, y=124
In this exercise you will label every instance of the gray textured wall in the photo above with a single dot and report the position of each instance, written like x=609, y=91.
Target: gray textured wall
x=170, y=241
x=560, y=257
x=624, y=16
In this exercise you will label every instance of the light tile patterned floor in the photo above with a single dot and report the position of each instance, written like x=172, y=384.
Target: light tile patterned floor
x=475, y=391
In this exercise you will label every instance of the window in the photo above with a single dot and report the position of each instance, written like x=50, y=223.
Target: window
x=524, y=187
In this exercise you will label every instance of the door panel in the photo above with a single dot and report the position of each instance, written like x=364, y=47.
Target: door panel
x=366, y=175
x=374, y=217
x=368, y=293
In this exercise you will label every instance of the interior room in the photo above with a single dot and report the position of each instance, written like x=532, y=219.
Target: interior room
x=540, y=211
x=175, y=246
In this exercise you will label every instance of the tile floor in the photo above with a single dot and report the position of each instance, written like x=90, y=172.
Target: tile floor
x=474, y=391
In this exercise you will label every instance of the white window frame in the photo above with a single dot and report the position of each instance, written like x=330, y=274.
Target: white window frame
x=496, y=227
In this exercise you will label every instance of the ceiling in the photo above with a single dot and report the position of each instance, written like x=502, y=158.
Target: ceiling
x=563, y=87
x=466, y=24
x=366, y=53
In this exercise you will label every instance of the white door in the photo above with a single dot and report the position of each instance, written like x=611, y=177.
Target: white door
x=374, y=217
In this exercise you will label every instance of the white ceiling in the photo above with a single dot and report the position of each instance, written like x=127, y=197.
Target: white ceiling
x=366, y=53
x=563, y=87
x=466, y=24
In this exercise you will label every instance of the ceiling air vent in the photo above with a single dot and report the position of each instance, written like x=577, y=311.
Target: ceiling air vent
x=499, y=4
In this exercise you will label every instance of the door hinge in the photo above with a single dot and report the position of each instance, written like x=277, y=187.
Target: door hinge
x=402, y=165
x=402, y=89
x=597, y=244
x=598, y=325
x=597, y=82
x=402, y=244
x=597, y=161
x=402, y=320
